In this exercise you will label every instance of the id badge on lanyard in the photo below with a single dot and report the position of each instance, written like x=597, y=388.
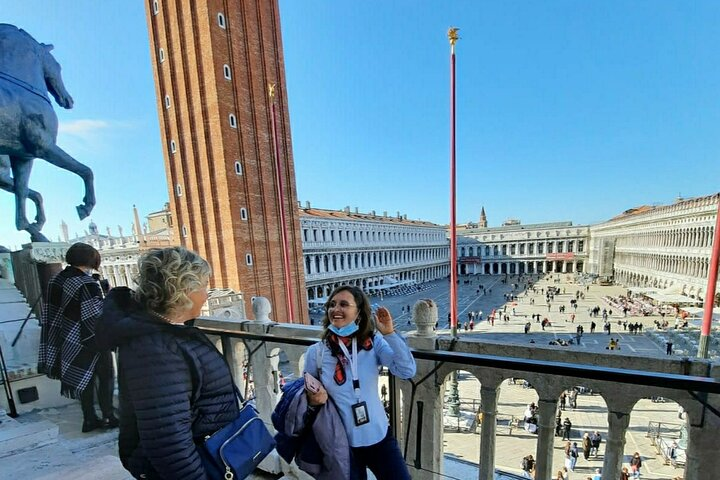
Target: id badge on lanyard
x=359, y=409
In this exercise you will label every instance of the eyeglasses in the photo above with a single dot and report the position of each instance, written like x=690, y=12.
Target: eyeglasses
x=343, y=304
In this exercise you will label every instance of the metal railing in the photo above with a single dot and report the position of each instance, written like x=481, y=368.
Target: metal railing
x=698, y=388
x=696, y=385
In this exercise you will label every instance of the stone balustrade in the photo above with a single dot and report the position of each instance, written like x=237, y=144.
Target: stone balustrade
x=416, y=415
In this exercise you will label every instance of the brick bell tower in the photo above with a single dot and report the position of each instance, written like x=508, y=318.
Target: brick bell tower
x=213, y=61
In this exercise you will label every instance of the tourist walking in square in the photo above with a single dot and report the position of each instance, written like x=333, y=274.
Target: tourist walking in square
x=636, y=464
x=567, y=427
x=586, y=445
x=595, y=439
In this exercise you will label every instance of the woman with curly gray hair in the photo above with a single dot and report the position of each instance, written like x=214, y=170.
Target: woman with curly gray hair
x=175, y=387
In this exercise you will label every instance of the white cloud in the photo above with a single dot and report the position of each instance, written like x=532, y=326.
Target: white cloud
x=82, y=128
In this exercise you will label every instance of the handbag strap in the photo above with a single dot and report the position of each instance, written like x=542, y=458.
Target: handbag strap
x=238, y=395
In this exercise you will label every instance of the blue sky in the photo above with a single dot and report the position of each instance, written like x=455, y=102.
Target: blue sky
x=566, y=110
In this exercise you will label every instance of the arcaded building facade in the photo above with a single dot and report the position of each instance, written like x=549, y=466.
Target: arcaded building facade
x=515, y=249
x=374, y=252
x=667, y=247
x=213, y=62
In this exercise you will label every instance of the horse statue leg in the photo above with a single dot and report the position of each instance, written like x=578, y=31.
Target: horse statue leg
x=37, y=199
x=7, y=184
x=58, y=157
x=21, y=168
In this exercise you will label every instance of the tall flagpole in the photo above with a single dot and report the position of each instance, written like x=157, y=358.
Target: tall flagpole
x=710, y=291
x=281, y=204
x=453, y=37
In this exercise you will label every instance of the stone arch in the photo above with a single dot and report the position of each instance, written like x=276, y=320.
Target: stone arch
x=461, y=429
x=650, y=435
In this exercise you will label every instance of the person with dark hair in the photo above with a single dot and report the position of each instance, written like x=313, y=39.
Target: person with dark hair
x=347, y=361
x=636, y=464
x=175, y=387
x=68, y=350
x=567, y=428
x=528, y=466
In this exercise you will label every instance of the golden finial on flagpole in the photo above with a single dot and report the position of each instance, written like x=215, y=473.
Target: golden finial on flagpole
x=271, y=90
x=453, y=35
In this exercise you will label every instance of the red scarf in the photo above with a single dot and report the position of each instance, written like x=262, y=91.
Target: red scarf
x=333, y=342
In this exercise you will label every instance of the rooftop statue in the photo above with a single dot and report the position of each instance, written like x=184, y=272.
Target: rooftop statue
x=29, y=126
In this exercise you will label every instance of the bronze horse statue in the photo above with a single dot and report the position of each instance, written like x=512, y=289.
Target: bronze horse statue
x=29, y=125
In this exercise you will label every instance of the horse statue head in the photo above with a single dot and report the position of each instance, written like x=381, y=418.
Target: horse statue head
x=53, y=78
x=29, y=125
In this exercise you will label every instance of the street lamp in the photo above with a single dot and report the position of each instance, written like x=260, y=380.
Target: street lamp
x=453, y=397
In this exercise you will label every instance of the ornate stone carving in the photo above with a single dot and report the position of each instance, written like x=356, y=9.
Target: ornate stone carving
x=47, y=252
x=425, y=315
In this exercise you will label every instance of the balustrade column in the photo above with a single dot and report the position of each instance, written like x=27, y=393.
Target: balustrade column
x=618, y=422
x=128, y=276
x=546, y=437
x=488, y=407
x=424, y=418
x=701, y=453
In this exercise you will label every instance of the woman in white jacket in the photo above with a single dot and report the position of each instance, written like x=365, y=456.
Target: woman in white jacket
x=350, y=354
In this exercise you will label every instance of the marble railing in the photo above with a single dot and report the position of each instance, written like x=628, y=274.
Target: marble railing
x=416, y=415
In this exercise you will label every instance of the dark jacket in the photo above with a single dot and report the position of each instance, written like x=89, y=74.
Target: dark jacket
x=175, y=388
x=318, y=442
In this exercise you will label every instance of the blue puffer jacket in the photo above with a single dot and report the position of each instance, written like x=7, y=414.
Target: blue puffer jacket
x=320, y=449
x=175, y=388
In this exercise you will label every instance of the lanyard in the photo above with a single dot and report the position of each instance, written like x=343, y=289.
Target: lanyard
x=353, y=364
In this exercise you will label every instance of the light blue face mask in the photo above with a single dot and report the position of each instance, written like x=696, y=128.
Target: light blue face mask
x=345, y=331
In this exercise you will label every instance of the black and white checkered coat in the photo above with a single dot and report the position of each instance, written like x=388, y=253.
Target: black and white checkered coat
x=67, y=337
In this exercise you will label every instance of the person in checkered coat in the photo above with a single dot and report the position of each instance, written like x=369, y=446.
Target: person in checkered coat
x=68, y=351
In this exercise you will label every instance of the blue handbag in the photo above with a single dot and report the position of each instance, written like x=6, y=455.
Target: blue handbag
x=234, y=451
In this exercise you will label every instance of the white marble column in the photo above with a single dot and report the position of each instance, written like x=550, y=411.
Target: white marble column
x=546, y=436
x=489, y=400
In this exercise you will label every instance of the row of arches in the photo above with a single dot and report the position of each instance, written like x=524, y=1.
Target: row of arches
x=346, y=262
x=365, y=234
x=468, y=405
x=698, y=237
x=120, y=275
x=690, y=266
x=520, y=268
x=522, y=248
x=635, y=279
x=377, y=282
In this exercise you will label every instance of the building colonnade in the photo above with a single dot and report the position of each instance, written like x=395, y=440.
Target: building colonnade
x=372, y=281
x=516, y=249
x=665, y=247
x=372, y=252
